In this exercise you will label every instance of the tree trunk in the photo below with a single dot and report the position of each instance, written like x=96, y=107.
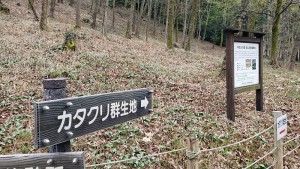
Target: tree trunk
x=185, y=22
x=132, y=8
x=52, y=8
x=105, y=18
x=44, y=15
x=206, y=22
x=148, y=18
x=170, y=27
x=192, y=25
x=138, y=23
x=60, y=1
x=295, y=52
x=199, y=23
x=167, y=18
x=33, y=10
x=94, y=16
x=78, y=20
x=72, y=2
x=275, y=32
x=113, y=17
x=156, y=3
x=176, y=20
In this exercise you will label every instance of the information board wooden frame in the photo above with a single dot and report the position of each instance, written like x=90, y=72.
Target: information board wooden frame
x=244, y=36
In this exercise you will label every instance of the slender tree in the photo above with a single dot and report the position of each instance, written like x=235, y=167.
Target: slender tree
x=170, y=31
x=156, y=3
x=138, y=23
x=33, y=10
x=105, y=18
x=148, y=18
x=132, y=16
x=52, y=8
x=185, y=22
x=207, y=18
x=95, y=11
x=275, y=32
x=78, y=22
x=192, y=25
x=72, y=3
x=44, y=15
x=113, y=14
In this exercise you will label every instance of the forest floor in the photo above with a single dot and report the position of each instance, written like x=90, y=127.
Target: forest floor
x=189, y=95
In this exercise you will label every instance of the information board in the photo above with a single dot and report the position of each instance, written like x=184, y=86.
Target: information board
x=246, y=64
x=71, y=160
x=57, y=121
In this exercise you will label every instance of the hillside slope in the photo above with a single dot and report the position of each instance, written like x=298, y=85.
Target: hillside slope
x=189, y=95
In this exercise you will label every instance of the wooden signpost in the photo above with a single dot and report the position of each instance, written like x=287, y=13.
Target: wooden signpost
x=57, y=121
x=244, y=70
x=71, y=160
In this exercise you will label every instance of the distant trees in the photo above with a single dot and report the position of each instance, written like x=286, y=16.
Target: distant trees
x=203, y=19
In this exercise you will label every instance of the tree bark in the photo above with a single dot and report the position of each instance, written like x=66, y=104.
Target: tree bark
x=72, y=2
x=52, y=8
x=156, y=3
x=192, y=25
x=113, y=14
x=132, y=8
x=94, y=16
x=275, y=32
x=206, y=22
x=167, y=18
x=33, y=10
x=185, y=22
x=78, y=18
x=199, y=23
x=105, y=18
x=148, y=18
x=295, y=52
x=138, y=23
x=44, y=15
x=170, y=32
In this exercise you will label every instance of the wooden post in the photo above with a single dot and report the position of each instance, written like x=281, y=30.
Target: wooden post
x=192, y=153
x=278, y=154
x=230, y=75
x=56, y=89
x=259, y=92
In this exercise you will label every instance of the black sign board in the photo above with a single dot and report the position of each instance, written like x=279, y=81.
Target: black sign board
x=43, y=161
x=57, y=121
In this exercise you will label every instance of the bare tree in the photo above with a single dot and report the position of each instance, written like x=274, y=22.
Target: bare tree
x=148, y=18
x=72, y=2
x=95, y=11
x=52, y=8
x=33, y=10
x=170, y=39
x=78, y=22
x=43, y=21
x=105, y=18
x=113, y=17
x=192, y=25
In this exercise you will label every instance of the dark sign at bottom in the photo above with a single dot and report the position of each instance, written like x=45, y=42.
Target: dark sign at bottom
x=70, y=160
